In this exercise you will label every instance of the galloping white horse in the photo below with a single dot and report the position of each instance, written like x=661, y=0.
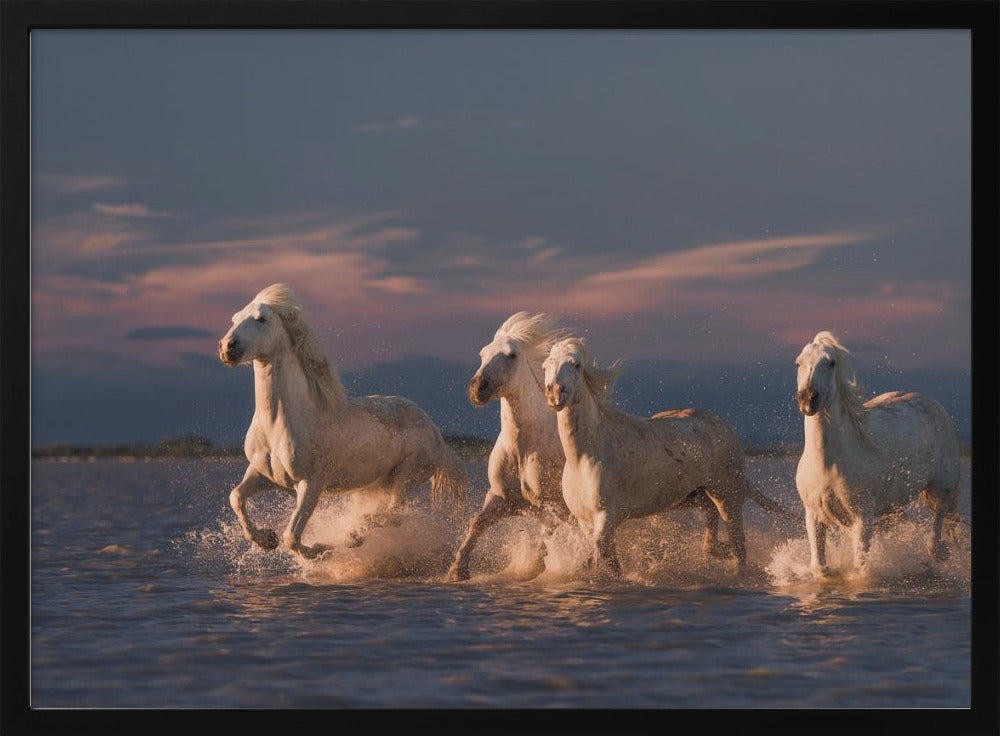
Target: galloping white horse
x=620, y=466
x=307, y=436
x=864, y=460
x=526, y=462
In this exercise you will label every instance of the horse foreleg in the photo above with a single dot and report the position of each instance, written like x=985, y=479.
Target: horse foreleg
x=816, y=532
x=861, y=536
x=306, y=498
x=495, y=508
x=604, y=543
x=252, y=484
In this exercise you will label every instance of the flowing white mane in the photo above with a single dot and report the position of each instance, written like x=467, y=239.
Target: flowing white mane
x=321, y=375
x=537, y=333
x=849, y=392
x=598, y=379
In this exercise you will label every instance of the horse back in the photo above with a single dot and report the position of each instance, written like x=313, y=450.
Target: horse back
x=901, y=410
x=916, y=426
x=393, y=411
x=697, y=436
x=696, y=425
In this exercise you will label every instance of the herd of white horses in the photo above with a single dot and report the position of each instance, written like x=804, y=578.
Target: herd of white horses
x=565, y=452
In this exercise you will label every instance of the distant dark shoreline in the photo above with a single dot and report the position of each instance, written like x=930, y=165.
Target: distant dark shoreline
x=194, y=446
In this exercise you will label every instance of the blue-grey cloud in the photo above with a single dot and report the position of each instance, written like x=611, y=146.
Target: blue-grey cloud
x=166, y=333
x=74, y=183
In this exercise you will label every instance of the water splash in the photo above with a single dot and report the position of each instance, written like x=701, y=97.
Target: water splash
x=898, y=559
x=664, y=550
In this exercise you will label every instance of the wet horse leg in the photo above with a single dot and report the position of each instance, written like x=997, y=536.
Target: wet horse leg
x=816, y=532
x=306, y=497
x=251, y=485
x=604, y=543
x=495, y=508
x=943, y=507
x=710, y=540
x=402, y=479
x=731, y=512
x=861, y=536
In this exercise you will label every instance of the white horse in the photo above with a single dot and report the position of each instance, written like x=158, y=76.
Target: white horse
x=862, y=461
x=620, y=466
x=526, y=462
x=307, y=436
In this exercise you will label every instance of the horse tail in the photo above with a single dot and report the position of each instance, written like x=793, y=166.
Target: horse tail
x=766, y=503
x=450, y=480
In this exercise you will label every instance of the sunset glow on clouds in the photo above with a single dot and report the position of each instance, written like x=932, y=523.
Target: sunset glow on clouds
x=724, y=221
x=371, y=269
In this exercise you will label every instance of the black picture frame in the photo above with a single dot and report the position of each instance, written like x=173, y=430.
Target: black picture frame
x=19, y=17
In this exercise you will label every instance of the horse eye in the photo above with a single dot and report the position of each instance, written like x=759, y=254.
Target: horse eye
x=576, y=363
x=833, y=363
x=262, y=319
x=512, y=355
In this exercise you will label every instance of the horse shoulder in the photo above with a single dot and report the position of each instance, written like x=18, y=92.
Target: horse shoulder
x=501, y=469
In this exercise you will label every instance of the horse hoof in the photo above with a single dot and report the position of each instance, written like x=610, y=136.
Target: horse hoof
x=312, y=553
x=821, y=571
x=939, y=550
x=268, y=539
x=457, y=575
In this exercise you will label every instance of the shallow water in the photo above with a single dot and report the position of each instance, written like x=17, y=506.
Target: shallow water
x=145, y=594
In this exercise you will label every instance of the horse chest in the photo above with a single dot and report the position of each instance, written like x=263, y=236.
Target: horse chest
x=581, y=486
x=535, y=477
x=275, y=461
x=829, y=495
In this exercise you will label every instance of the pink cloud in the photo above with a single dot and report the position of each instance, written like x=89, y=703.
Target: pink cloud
x=399, y=285
x=547, y=254
x=70, y=184
x=730, y=261
x=130, y=210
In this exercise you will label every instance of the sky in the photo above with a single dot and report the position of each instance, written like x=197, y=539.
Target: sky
x=695, y=197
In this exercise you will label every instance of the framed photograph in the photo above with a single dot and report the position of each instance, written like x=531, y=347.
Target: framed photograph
x=419, y=359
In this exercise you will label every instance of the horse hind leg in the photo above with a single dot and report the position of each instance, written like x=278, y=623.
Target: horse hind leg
x=942, y=504
x=710, y=543
x=731, y=512
x=402, y=479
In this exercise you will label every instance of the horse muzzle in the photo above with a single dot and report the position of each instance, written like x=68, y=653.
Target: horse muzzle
x=480, y=392
x=808, y=401
x=555, y=396
x=230, y=353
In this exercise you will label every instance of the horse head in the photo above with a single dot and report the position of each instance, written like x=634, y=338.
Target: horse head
x=515, y=354
x=259, y=329
x=821, y=367
x=499, y=364
x=564, y=373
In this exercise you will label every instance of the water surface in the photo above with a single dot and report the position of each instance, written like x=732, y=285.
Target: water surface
x=144, y=594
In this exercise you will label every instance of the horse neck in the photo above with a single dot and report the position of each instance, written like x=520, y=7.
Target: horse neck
x=280, y=388
x=829, y=435
x=578, y=426
x=524, y=413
